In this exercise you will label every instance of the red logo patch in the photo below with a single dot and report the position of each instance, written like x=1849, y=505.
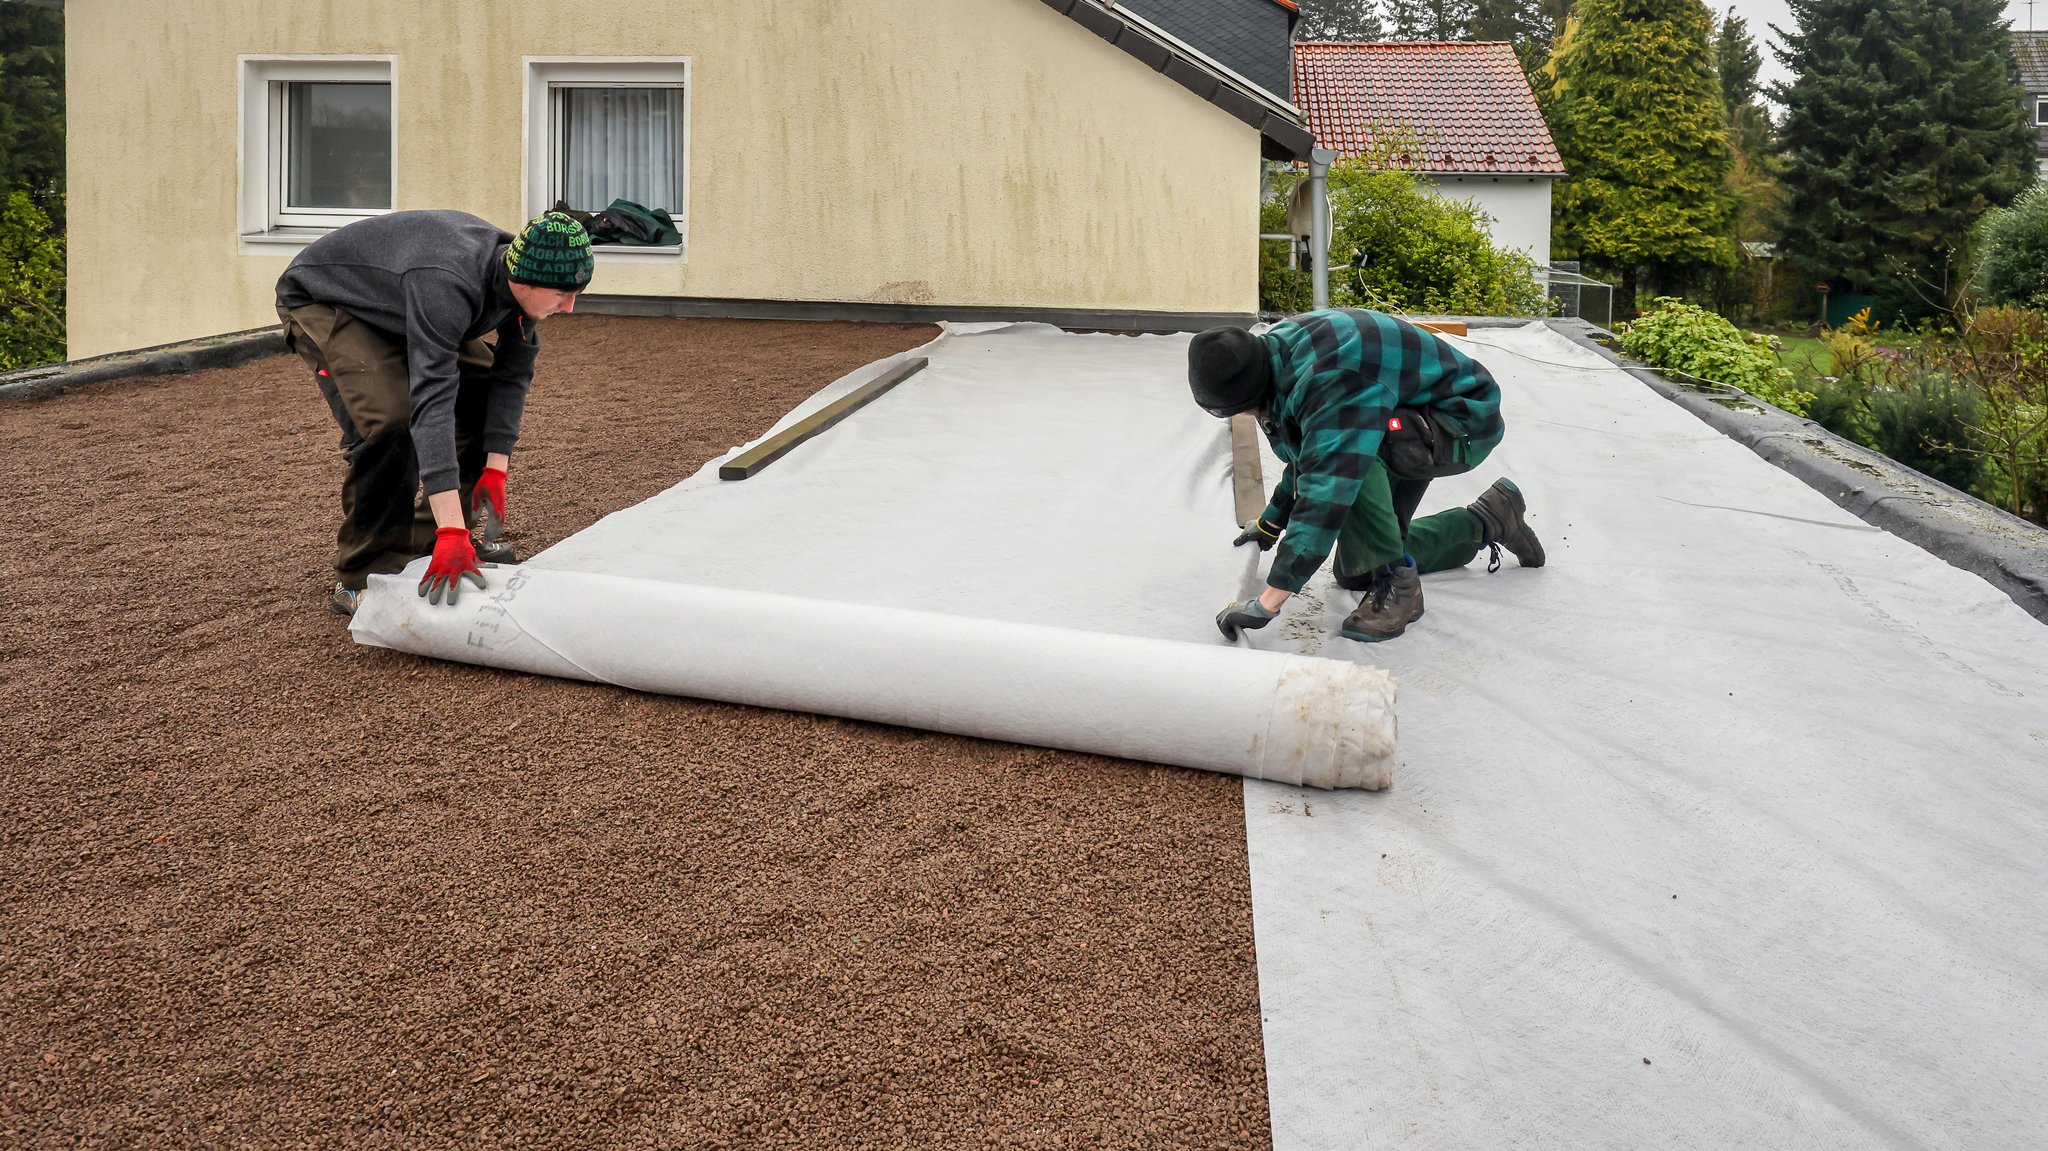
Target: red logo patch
x=1394, y=424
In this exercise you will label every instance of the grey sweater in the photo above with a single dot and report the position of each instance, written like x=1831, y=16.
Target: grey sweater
x=432, y=281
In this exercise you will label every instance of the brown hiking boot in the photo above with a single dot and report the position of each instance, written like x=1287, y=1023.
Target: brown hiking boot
x=1500, y=510
x=1392, y=603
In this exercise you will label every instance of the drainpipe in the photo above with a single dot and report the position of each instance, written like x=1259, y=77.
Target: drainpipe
x=1319, y=161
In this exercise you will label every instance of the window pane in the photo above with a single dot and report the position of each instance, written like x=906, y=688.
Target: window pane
x=622, y=143
x=340, y=154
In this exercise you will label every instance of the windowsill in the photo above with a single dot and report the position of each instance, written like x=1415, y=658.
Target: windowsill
x=633, y=252
x=282, y=241
x=278, y=241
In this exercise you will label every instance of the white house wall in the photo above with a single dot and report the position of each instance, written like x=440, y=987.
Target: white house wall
x=1519, y=207
x=948, y=152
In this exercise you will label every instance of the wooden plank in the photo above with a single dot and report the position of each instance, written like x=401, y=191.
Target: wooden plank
x=1441, y=327
x=773, y=448
x=1247, y=483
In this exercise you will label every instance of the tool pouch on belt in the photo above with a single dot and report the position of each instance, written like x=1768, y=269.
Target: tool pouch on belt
x=1423, y=446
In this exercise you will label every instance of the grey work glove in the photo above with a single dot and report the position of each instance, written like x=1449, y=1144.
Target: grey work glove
x=1239, y=616
x=1259, y=532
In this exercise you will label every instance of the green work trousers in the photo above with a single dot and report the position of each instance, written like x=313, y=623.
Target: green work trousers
x=1380, y=529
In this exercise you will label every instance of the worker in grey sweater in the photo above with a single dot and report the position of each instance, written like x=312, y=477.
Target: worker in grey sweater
x=392, y=314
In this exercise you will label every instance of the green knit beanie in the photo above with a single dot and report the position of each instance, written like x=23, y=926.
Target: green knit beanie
x=552, y=252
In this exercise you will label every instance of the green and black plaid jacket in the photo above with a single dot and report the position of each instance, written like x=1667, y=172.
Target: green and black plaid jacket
x=1337, y=375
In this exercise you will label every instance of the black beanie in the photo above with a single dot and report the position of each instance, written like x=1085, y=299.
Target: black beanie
x=1228, y=371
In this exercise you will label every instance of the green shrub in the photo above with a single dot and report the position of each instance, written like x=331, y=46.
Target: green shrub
x=1281, y=288
x=31, y=285
x=1705, y=348
x=1930, y=425
x=2015, y=475
x=2002, y=355
x=1841, y=401
x=1423, y=254
x=1843, y=407
x=2012, y=251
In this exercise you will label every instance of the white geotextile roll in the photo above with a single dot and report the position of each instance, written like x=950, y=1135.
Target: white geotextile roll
x=1267, y=715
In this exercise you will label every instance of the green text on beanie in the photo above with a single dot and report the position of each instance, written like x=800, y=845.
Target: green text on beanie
x=553, y=251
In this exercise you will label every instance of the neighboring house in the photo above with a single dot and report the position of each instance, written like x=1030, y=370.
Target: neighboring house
x=2031, y=50
x=1464, y=115
x=1058, y=159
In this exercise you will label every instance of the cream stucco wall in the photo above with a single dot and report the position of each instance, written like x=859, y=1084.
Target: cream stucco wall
x=1519, y=207
x=973, y=152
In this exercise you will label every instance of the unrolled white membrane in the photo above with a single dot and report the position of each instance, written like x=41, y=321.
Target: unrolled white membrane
x=1261, y=714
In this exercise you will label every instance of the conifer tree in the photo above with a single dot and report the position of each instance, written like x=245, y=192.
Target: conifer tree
x=1752, y=179
x=1737, y=61
x=1429, y=19
x=1519, y=22
x=1903, y=125
x=32, y=104
x=1635, y=107
x=1339, y=20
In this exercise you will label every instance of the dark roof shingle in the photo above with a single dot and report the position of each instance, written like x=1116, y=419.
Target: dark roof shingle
x=2031, y=50
x=1467, y=106
x=1253, y=38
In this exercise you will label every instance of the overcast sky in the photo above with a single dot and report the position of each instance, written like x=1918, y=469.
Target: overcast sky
x=1759, y=14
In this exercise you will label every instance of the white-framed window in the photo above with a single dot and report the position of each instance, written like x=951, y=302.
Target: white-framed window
x=319, y=144
x=2041, y=111
x=600, y=129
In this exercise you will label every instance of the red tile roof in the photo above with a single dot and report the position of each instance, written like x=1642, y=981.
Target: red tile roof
x=1467, y=105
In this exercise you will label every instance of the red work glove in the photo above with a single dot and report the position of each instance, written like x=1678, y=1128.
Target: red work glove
x=454, y=561
x=487, y=503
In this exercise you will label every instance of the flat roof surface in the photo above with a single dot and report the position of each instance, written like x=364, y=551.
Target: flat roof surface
x=1721, y=829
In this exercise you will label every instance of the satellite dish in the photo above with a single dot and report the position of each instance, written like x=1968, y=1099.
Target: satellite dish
x=1301, y=209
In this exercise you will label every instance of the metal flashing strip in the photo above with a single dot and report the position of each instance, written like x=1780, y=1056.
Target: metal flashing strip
x=1088, y=319
x=1280, y=124
x=751, y=461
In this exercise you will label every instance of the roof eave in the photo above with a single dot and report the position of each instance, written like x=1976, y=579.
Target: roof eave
x=1283, y=129
x=1558, y=175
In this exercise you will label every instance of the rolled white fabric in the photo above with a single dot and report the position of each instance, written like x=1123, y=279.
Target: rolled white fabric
x=1266, y=715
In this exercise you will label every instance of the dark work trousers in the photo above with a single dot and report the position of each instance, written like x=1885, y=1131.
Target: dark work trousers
x=385, y=520
x=1381, y=527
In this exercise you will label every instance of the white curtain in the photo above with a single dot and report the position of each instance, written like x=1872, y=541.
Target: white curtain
x=622, y=143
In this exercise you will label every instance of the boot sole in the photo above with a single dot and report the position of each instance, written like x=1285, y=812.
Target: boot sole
x=1535, y=557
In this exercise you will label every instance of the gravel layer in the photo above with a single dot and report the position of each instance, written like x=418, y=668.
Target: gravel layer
x=260, y=887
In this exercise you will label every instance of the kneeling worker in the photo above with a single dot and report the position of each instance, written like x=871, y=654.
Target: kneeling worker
x=1365, y=410
x=391, y=314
